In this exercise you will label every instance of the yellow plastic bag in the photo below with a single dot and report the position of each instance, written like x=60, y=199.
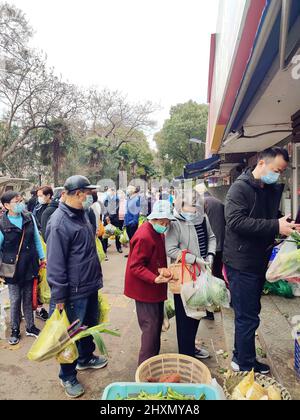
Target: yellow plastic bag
x=104, y=308
x=100, y=251
x=53, y=340
x=44, y=292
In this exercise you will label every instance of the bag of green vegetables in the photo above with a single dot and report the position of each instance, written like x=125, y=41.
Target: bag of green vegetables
x=206, y=293
x=286, y=265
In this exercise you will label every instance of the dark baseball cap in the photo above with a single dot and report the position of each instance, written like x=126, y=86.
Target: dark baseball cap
x=78, y=182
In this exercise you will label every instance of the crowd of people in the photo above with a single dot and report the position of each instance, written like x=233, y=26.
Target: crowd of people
x=234, y=240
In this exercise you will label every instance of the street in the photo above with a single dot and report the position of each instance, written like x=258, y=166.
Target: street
x=23, y=379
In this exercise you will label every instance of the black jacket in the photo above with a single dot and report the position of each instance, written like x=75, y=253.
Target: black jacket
x=73, y=267
x=38, y=213
x=28, y=263
x=53, y=206
x=251, y=214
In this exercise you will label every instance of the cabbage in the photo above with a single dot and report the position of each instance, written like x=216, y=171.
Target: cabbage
x=198, y=299
x=218, y=292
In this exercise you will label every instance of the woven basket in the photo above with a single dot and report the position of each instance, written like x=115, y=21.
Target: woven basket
x=236, y=377
x=190, y=369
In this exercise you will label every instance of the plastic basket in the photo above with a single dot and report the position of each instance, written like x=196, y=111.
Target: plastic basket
x=191, y=370
x=132, y=389
x=297, y=357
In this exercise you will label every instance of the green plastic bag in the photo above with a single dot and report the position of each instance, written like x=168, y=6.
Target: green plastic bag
x=280, y=288
x=124, y=238
x=100, y=251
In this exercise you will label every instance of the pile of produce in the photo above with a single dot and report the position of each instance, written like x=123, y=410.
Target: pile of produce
x=249, y=389
x=169, y=378
x=171, y=395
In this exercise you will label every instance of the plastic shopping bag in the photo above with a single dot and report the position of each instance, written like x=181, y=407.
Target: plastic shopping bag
x=44, y=291
x=53, y=340
x=206, y=293
x=286, y=265
x=166, y=323
x=124, y=238
x=279, y=288
x=104, y=308
x=195, y=298
x=100, y=251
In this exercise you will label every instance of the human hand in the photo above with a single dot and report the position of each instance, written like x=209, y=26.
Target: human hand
x=286, y=228
x=165, y=272
x=60, y=306
x=161, y=279
x=209, y=260
x=43, y=264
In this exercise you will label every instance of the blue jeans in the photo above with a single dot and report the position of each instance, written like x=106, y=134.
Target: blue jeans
x=87, y=311
x=246, y=290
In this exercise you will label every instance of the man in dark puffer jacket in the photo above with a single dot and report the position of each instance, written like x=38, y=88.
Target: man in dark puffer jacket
x=74, y=274
x=251, y=213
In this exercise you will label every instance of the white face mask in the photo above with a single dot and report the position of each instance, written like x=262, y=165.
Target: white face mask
x=41, y=200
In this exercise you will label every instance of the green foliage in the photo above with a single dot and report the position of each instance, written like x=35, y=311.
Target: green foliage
x=188, y=120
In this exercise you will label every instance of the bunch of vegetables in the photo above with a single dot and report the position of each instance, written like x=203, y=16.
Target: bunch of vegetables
x=58, y=338
x=170, y=309
x=111, y=230
x=171, y=395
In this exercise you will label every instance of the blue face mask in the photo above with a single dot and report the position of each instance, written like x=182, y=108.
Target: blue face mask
x=159, y=228
x=18, y=208
x=190, y=217
x=88, y=202
x=270, y=178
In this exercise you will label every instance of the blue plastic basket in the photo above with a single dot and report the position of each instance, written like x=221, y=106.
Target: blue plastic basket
x=125, y=389
x=297, y=357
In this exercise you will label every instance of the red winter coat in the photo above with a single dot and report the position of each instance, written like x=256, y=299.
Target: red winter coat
x=147, y=255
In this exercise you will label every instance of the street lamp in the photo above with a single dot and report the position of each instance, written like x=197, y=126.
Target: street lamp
x=198, y=141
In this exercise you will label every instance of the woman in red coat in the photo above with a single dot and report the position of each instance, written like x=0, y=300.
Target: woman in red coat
x=143, y=281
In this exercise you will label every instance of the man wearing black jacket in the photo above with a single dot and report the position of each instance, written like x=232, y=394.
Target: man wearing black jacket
x=74, y=274
x=251, y=213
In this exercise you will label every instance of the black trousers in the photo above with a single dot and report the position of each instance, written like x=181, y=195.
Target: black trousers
x=246, y=290
x=131, y=229
x=186, y=329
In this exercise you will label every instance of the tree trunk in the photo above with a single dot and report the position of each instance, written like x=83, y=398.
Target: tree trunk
x=56, y=158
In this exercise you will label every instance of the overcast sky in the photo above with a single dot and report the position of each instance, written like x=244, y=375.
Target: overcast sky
x=154, y=50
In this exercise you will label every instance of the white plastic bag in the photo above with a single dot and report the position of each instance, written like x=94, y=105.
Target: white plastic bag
x=286, y=265
x=206, y=293
x=195, y=297
x=296, y=289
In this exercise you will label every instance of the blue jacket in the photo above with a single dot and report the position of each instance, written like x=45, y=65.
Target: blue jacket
x=73, y=267
x=133, y=209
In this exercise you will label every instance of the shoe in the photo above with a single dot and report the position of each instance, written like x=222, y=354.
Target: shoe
x=258, y=368
x=95, y=363
x=33, y=332
x=73, y=389
x=120, y=251
x=14, y=338
x=126, y=256
x=201, y=354
x=42, y=314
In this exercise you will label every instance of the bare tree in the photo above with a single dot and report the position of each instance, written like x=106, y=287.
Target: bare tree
x=113, y=118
